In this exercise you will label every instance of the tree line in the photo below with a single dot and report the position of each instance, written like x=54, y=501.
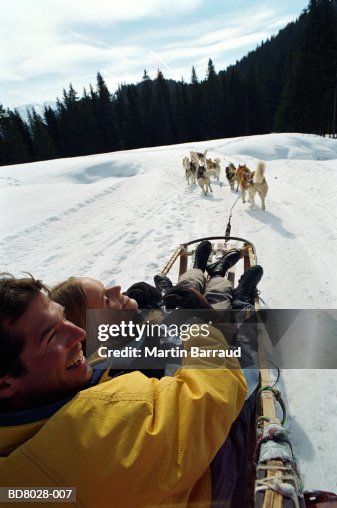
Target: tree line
x=288, y=83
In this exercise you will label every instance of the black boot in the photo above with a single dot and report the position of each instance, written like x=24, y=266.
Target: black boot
x=162, y=283
x=246, y=289
x=202, y=253
x=225, y=263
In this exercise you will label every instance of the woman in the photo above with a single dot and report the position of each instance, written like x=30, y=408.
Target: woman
x=81, y=294
x=77, y=294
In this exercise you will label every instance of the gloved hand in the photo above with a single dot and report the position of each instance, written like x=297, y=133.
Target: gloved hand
x=146, y=296
x=185, y=298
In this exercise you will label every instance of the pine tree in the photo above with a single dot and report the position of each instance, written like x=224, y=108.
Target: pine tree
x=69, y=119
x=15, y=141
x=51, y=120
x=237, y=103
x=194, y=77
x=133, y=125
x=210, y=73
x=307, y=99
x=42, y=141
x=212, y=103
x=195, y=99
x=182, y=113
x=105, y=116
x=88, y=128
x=161, y=113
x=146, y=98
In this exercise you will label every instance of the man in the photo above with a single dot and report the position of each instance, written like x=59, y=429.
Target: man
x=130, y=441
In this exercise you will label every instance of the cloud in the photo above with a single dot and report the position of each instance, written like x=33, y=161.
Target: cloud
x=37, y=36
x=60, y=12
x=215, y=39
x=56, y=42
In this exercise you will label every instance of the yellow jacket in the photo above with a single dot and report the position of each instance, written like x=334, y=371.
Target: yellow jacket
x=132, y=441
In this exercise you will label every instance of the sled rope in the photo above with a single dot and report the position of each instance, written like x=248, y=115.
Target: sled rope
x=278, y=396
x=229, y=227
x=276, y=484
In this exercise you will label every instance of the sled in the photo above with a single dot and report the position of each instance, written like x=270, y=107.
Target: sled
x=221, y=244
x=276, y=481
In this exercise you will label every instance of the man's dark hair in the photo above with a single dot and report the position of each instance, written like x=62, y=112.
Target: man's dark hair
x=15, y=297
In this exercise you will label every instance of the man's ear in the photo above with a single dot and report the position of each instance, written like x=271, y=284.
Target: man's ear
x=8, y=387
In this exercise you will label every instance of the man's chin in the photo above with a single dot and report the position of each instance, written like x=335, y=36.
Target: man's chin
x=80, y=375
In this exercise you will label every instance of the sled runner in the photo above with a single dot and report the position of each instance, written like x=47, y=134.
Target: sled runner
x=276, y=481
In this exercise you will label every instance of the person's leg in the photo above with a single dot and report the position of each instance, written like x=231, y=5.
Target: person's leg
x=218, y=293
x=193, y=279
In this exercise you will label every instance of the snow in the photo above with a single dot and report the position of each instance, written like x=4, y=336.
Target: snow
x=118, y=217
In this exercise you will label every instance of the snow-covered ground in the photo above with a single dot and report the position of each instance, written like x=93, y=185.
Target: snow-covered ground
x=118, y=217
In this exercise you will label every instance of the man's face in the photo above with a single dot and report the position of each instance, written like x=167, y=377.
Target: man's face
x=52, y=355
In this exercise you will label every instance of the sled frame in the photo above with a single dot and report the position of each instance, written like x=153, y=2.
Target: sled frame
x=185, y=250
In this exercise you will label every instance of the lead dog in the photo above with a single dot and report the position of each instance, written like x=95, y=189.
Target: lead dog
x=253, y=182
x=198, y=158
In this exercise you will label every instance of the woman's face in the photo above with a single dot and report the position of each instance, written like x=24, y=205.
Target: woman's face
x=100, y=297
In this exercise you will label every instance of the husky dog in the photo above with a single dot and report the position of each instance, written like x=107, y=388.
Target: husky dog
x=259, y=186
x=253, y=182
x=214, y=166
x=231, y=176
x=198, y=158
x=190, y=170
x=204, y=180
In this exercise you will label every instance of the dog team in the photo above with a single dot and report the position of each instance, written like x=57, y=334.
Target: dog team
x=200, y=169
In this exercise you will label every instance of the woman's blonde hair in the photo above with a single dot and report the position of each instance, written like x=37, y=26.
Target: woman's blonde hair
x=71, y=296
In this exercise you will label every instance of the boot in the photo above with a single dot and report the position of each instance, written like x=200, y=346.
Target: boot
x=162, y=283
x=202, y=253
x=225, y=263
x=246, y=289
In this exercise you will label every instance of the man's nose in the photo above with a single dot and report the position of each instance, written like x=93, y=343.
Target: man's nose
x=74, y=333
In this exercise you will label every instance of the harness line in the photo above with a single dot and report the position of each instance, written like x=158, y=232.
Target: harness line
x=229, y=227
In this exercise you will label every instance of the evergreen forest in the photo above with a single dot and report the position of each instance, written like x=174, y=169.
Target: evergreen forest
x=287, y=84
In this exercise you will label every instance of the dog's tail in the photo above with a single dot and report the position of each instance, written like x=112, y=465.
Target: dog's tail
x=259, y=173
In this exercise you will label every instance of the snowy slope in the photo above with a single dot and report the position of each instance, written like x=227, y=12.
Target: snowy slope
x=118, y=217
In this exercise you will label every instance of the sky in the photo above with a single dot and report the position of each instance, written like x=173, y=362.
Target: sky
x=119, y=217
x=47, y=44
